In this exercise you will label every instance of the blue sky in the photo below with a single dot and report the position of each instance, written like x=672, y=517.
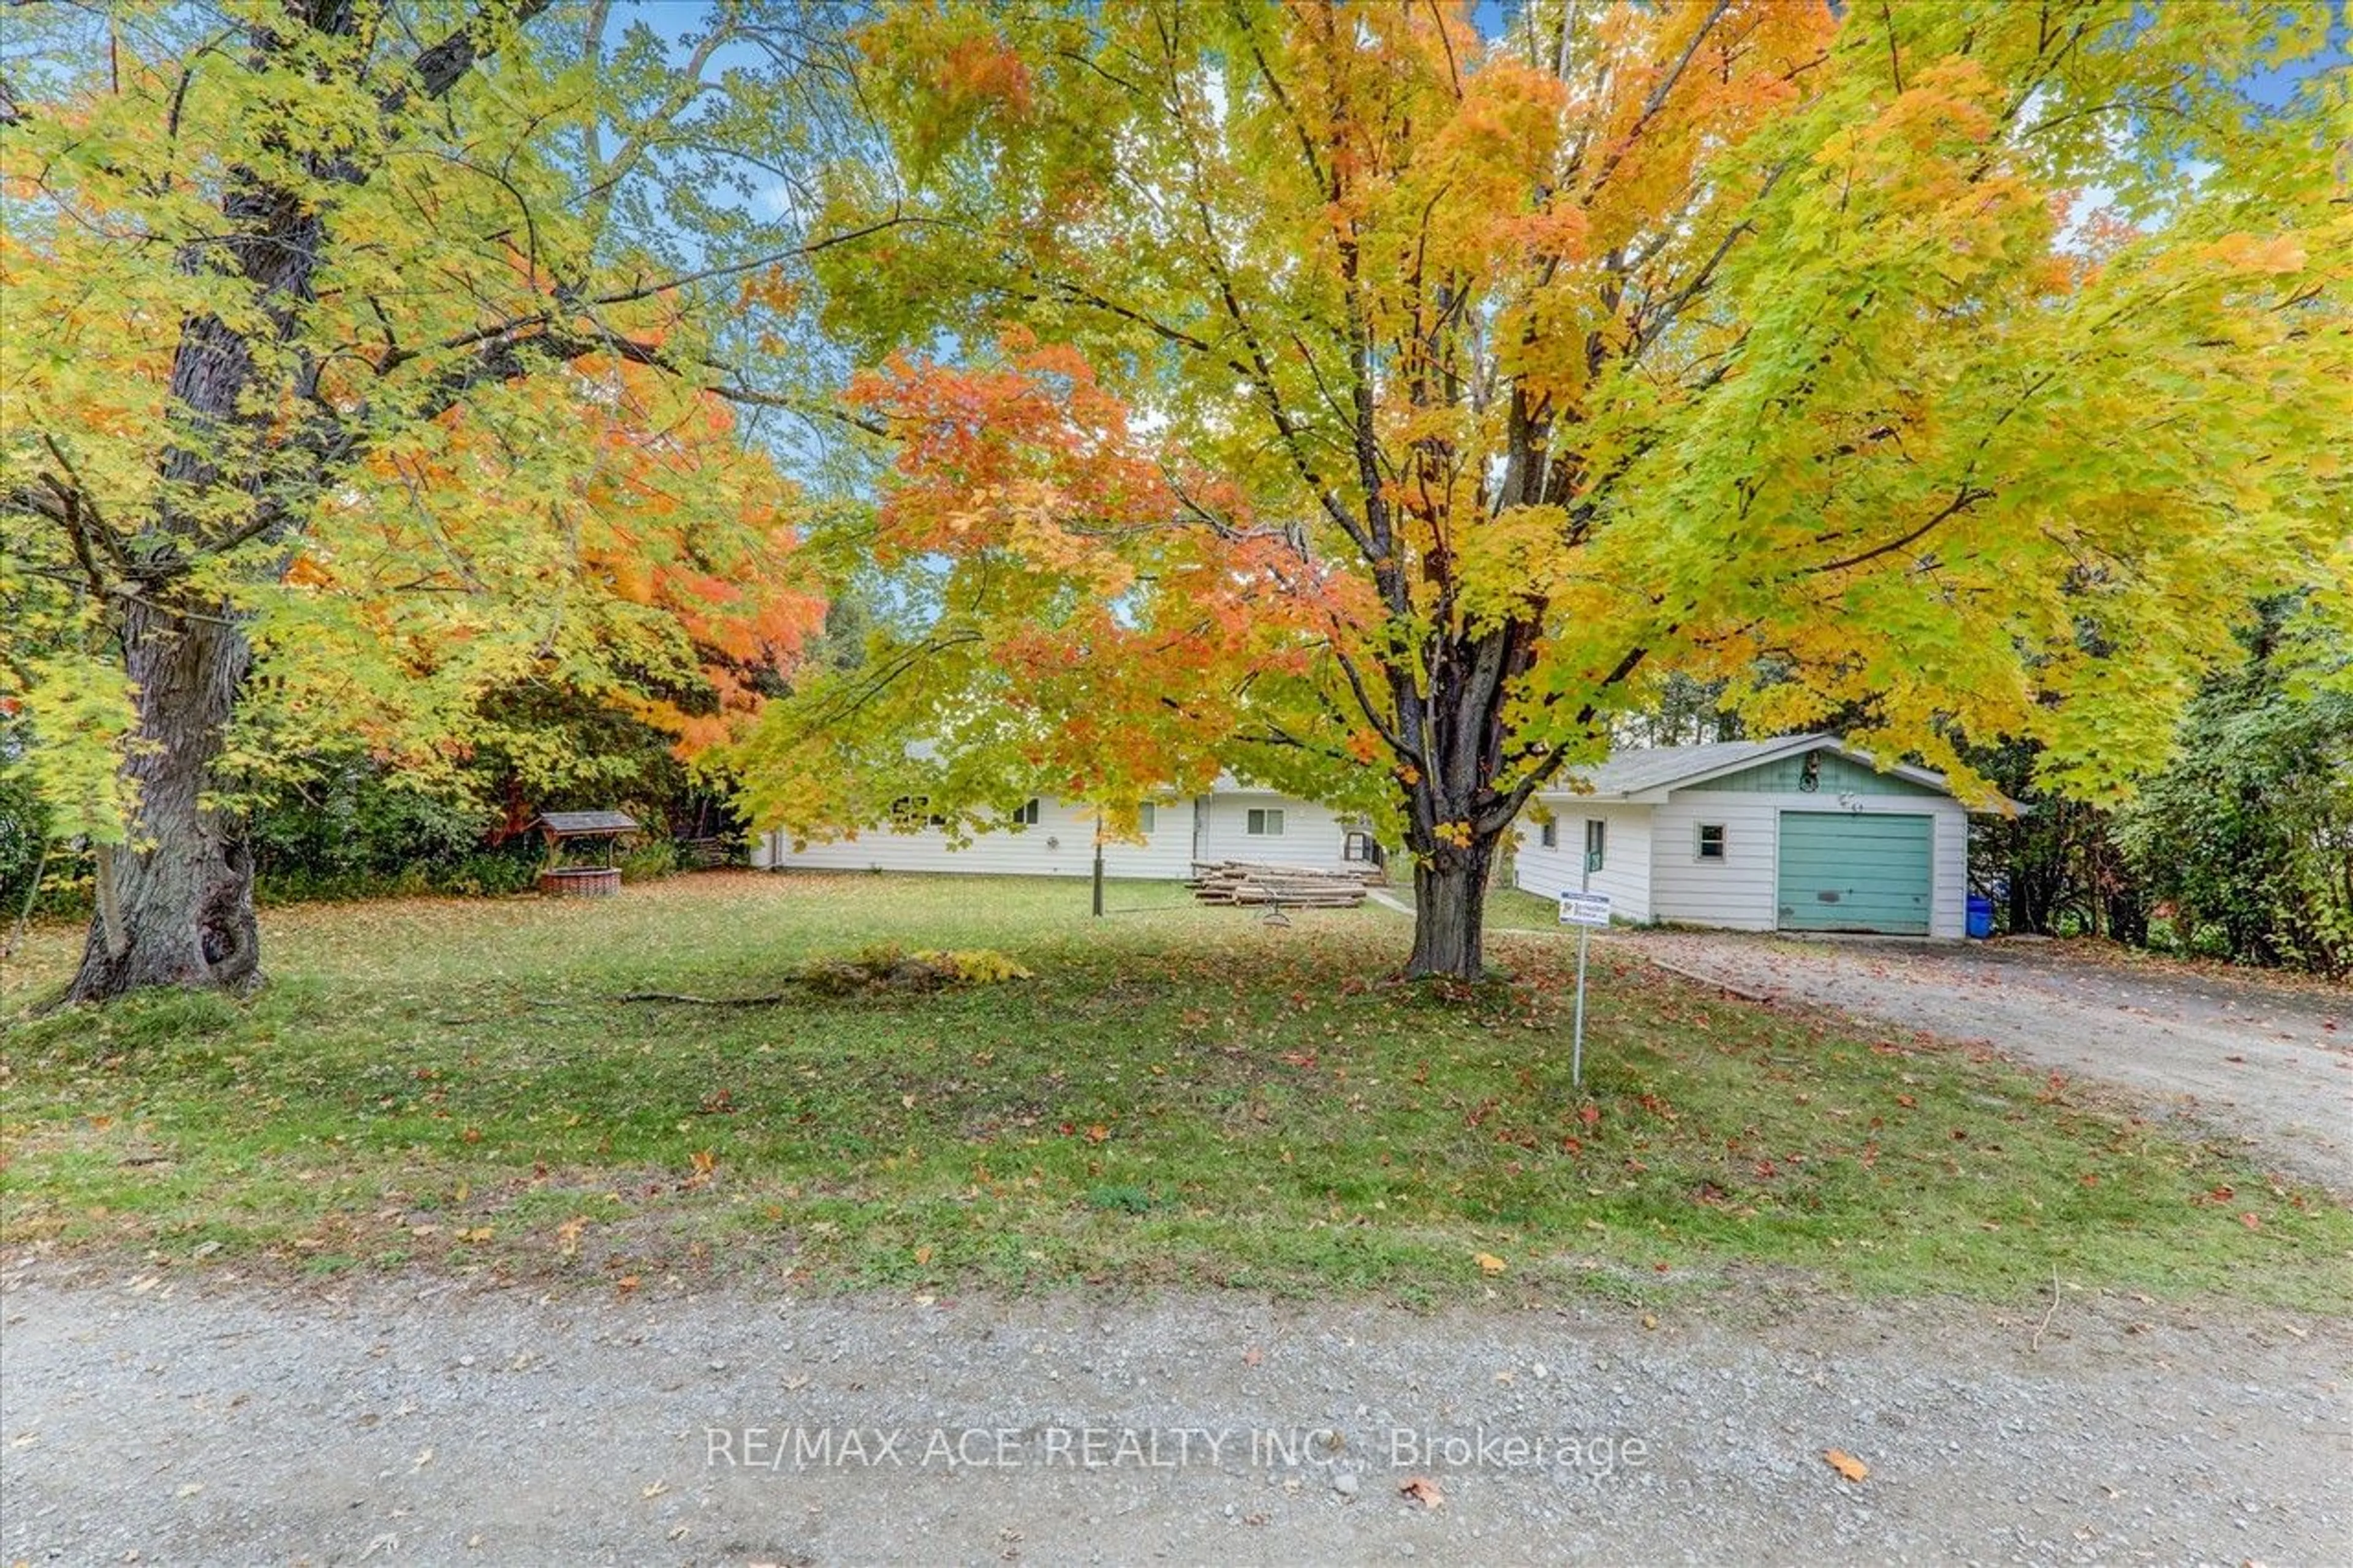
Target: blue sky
x=675, y=18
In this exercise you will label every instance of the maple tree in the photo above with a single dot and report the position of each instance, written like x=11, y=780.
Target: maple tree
x=359, y=368
x=1330, y=392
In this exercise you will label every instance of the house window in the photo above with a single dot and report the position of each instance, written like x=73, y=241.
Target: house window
x=1264, y=821
x=1711, y=841
x=1026, y=814
x=910, y=812
x=1147, y=818
x=1360, y=847
x=1597, y=844
x=1549, y=834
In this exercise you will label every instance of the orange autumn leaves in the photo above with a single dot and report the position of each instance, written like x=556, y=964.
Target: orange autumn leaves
x=1106, y=573
x=1031, y=456
x=652, y=555
x=722, y=574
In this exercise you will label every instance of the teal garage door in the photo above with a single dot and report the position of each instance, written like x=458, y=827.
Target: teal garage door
x=1856, y=871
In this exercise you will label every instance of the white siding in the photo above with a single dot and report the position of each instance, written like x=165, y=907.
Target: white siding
x=1312, y=835
x=1739, y=891
x=1625, y=873
x=1061, y=844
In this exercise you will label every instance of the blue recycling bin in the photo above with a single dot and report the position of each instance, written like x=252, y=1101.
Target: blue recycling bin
x=1981, y=917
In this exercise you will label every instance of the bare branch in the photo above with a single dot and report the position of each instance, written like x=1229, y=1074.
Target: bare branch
x=1965, y=498
x=1657, y=98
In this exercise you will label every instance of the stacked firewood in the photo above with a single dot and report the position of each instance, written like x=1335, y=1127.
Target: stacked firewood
x=1284, y=887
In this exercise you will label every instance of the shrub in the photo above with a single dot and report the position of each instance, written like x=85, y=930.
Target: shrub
x=650, y=861
x=886, y=966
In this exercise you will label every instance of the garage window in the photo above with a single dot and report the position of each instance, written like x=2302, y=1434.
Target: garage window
x=1597, y=844
x=1548, y=835
x=1265, y=822
x=1711, y=841
x=1147, y=818
x=1025, y=815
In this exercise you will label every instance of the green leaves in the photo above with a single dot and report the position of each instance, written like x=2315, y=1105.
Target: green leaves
x=81, y=707
x=417, y=388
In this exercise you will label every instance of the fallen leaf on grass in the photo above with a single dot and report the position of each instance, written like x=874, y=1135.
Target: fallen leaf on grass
x=568, y=1235
x=1489, y=1263
x=1846, y=1463
x=1423, y=1490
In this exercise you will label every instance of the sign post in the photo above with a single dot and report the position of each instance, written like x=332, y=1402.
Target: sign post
x=1098, y=878
x=1583, y=910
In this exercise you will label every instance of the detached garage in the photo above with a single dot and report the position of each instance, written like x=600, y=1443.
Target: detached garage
x=1799, y=834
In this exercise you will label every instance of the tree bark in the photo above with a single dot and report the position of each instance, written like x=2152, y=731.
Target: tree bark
x=183, y=892
x=1449, y=908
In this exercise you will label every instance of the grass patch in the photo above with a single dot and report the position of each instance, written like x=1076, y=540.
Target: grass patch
x=1180, y=1096
x=1513, y=909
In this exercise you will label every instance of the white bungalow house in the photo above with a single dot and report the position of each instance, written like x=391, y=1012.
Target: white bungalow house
x=1050, y=837
x=1800, y=834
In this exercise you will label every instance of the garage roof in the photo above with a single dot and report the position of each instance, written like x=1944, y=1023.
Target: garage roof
x=1650, y=772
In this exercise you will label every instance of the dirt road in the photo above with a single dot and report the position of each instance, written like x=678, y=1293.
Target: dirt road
x=207, y=1421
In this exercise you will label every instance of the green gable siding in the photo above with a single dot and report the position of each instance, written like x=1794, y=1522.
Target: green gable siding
x=1839, y=774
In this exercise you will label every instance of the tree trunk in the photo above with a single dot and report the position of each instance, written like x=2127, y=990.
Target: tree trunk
x=176, y=904
x=181, y=906
x=1449, y=908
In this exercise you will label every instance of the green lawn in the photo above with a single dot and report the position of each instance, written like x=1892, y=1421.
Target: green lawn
x=1180, y=1096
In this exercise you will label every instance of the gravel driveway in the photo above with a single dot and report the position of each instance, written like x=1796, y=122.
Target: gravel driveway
x=197, y=1420
x=2268, y=1062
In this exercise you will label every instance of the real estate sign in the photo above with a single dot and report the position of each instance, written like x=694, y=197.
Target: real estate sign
x=1585, y=908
